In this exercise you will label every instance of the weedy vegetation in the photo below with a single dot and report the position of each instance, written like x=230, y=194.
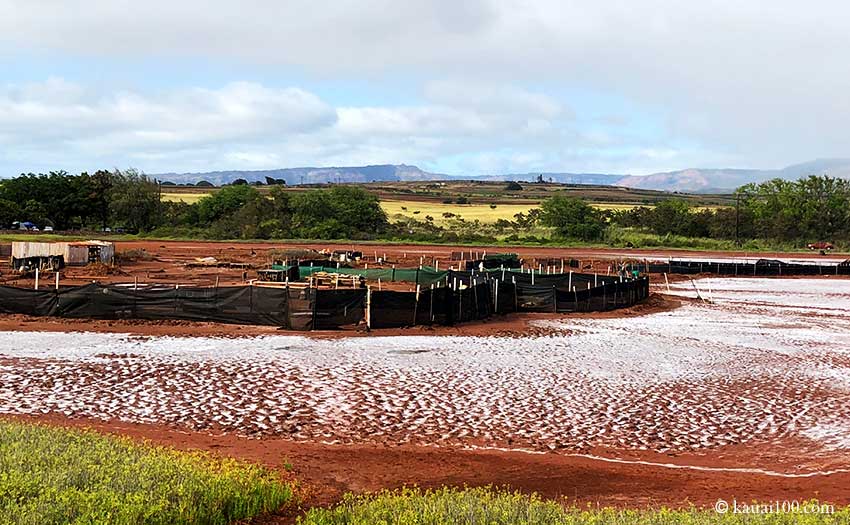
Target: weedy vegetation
x=476, y=506
x=58, y=476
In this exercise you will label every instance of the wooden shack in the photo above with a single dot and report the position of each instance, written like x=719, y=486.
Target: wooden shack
x=58, y=254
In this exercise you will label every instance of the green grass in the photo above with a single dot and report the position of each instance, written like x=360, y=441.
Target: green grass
x=482, y=506
x=58, y=476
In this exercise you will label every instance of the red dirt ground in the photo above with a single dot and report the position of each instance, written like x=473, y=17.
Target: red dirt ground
x=326, y=472
x=166, y=262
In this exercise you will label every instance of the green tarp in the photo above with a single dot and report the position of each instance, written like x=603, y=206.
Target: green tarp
x=425, y=276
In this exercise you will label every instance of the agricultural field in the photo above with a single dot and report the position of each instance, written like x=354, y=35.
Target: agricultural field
x=486, y=193
x=187, y=197
x=483, y=212
x=486, y=213
x=419, y=209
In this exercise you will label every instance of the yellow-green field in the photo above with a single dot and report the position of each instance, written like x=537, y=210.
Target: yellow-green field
x=470, y=212
x=189, y=198
x=409, y=208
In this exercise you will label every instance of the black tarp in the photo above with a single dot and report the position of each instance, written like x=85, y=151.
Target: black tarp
x=469, y=296
x=443, y=306
x=297, y=309
x=236, y=304
x=476, y=295
x=762, y=267
x=335, y=308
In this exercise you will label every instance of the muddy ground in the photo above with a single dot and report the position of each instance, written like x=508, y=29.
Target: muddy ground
x=741, y=397
x=176, y=262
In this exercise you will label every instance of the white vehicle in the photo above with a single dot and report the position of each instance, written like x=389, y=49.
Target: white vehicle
x=48, y=228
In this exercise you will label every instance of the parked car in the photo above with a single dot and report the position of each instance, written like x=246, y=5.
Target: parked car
x=48, y=228
x=822, y=246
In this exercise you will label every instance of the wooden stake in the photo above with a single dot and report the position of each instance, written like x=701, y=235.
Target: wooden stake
x=416, y=305
x=369, y=306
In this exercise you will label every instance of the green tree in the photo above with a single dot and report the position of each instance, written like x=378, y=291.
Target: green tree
x=824, y=213
x=134, y=201
x=727, y=223
x=97, y=187
x=572, y=218
x=637, y=217
x=671, y=216
x=9, y=213
x=36, y=212
x=341, y=212
x=813, y=208
x=224, y=202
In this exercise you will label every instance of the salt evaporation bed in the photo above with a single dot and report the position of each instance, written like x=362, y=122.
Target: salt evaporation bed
x=695, y=378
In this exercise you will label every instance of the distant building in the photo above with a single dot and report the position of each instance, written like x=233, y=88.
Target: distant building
x=59, y=254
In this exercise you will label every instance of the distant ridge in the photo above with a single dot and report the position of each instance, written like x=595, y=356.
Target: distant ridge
x=375, y=173
x=692, y=180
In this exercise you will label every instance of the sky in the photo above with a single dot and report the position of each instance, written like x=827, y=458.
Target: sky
x=473, y=87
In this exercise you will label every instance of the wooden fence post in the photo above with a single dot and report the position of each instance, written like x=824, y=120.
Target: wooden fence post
x=368, y=307
x=416, y=305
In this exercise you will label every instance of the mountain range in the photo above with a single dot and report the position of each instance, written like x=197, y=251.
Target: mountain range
x=692, y=180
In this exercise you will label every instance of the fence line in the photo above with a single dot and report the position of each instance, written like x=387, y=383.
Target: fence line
x=762, y=267
x=461, y=297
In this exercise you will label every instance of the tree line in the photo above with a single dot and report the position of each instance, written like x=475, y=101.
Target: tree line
x=131, y=201
x=243, y=212
x=815, y=208
x=84, y=201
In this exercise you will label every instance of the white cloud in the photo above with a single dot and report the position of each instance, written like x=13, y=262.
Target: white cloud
x=753, y=83
x=56, y=115
x=57, y=124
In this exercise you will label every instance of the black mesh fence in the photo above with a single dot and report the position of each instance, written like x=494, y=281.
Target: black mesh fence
x=470, y=296
x=762, y=267
x=462, y=297
x=336, y=308
x=439, y=305
x=293, y=308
